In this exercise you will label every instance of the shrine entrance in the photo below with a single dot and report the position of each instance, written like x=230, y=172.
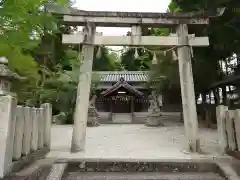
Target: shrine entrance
x=122, y=103
x=121, y=100
x=180, y=44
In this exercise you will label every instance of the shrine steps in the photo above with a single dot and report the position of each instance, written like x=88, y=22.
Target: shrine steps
x=142, y=170
x=145, y=176
x=49, y=169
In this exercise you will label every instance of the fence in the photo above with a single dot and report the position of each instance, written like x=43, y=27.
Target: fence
x=24, y=131
x=228, y=128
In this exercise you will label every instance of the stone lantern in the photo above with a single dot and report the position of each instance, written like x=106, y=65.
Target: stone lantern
x=6, y=77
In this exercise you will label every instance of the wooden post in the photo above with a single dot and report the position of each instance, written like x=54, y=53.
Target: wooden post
x=221, y=113
x=237, y=127
x=83, y=91
x=111, y=108
x=230, y=130
x=132, y=107
x=187, y=89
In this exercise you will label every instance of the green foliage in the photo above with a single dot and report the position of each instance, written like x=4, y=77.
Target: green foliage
x=164, y=75
x=61, y=87
x=131, y=63
x=143, y=61
x=22, y=25
x=106, y=62
x=223, y=33
x=172, y=7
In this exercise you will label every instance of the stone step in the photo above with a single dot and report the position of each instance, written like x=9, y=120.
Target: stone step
x=143, y=176
x=142, y=119
x=37, y=170
x=179, y=170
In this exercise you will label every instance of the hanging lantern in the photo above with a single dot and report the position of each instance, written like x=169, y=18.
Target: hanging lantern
x=99, y=53
x=154, y=60
x=136, y=54
x=174, y=55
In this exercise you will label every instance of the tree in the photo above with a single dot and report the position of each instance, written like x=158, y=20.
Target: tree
x=103, y=61
x=61, y=87
x=223, y=33
x=143, y=61
x=22, y=25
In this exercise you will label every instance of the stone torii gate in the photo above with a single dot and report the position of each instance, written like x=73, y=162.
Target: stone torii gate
x=136, y=20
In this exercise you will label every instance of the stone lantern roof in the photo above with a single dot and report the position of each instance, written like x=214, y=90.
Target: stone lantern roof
x=6, y=77
x=5, y=72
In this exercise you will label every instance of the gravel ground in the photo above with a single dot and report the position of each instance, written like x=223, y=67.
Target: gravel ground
x=132, y=142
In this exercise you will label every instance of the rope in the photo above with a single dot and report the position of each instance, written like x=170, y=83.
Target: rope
x=146, y=49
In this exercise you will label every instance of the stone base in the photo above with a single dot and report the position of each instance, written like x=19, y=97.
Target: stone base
x=154, y=121
x=27, y=160
x=122, y=118
x=93, y=122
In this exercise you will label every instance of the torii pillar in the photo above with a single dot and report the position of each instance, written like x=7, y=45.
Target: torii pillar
x=187, y=89
x=83, y=90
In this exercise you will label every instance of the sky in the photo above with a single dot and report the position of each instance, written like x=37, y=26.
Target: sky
x=121, y=5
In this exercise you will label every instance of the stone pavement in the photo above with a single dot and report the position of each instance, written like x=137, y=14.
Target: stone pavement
x=145, y=176
x=136, y=142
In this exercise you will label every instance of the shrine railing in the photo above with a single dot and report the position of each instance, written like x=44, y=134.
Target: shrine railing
x=24, y=134
x=228, y=128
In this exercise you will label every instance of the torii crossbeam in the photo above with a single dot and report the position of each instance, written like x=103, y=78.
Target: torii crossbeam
x=135, y=20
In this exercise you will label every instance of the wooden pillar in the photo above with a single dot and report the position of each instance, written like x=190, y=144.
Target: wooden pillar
x=111, y=108
x=231, y=139
x=83, y=91
x=237, y=128
x=187, y=90
x=221, y=124
x=132, y=105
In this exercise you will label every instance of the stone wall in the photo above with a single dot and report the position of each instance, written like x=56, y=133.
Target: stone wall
x=23, y=132
x=228, y=128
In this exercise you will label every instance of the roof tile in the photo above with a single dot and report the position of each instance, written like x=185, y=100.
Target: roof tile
x=129, y=76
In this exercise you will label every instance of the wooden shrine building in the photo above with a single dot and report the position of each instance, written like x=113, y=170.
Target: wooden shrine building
x=122, y=96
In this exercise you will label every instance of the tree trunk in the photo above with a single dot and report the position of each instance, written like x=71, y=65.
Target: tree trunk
x=203, y=114
x=224, y=96
x=216, y=96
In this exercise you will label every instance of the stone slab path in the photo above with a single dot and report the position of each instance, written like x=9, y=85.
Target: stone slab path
x=145, y=176
x=136, y=142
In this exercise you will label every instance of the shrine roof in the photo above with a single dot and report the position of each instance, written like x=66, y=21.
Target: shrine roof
x=129, y=76
x=121, y=83
x=231, y=80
